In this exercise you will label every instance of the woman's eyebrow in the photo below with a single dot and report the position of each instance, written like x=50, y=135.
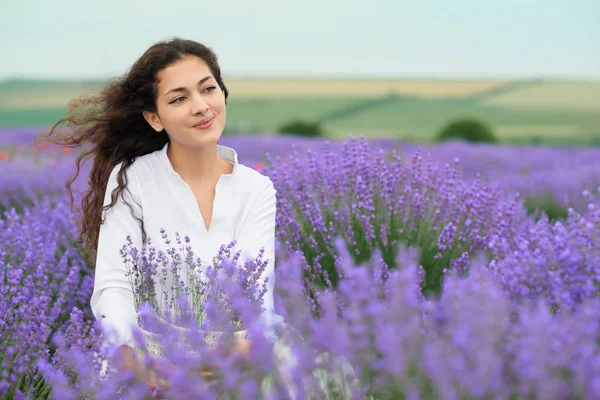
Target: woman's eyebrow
x=182, y=89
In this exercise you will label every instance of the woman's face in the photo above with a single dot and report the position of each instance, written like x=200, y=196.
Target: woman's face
x=188, y=93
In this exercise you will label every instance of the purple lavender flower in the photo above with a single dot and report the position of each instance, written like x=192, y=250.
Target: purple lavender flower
x=363, y=228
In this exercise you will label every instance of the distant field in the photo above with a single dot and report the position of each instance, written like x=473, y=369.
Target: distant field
x=421, y=119
x=518, y=111
x=57, y=95
x=42, y=95
x=582, y=96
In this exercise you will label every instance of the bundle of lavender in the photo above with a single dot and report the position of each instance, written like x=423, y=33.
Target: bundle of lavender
x=175, y=290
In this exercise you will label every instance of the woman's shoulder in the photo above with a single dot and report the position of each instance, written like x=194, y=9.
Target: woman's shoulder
x=142, y=169
x=147, y=166
x=256, y=187
x=252, y=178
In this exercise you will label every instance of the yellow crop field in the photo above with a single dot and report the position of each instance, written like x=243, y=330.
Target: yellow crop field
x=358, y=87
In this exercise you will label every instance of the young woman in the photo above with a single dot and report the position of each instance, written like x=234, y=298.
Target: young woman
x=153, y=136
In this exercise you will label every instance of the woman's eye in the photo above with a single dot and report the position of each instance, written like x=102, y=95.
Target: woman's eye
x=210, y=89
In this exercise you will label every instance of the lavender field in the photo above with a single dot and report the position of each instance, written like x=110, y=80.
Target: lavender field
x=451, y=271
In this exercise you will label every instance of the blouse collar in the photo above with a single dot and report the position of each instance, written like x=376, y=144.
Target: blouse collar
x=224, y=152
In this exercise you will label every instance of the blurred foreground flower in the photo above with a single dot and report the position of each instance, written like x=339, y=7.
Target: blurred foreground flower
x=377, y=338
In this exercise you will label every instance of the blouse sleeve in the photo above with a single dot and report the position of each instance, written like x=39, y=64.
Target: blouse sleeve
x=112, y=298
x=258, y=231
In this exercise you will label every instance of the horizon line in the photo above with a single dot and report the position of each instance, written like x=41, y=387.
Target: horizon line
x=328, y=78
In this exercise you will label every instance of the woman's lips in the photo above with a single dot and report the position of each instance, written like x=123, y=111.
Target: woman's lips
x=206, y=125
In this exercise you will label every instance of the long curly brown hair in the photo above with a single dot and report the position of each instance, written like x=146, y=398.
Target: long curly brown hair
x=111, y=129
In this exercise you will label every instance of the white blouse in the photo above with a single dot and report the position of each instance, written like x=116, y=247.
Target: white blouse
x=244, y=210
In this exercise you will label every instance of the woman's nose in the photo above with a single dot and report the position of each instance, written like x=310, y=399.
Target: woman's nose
x=199, y=105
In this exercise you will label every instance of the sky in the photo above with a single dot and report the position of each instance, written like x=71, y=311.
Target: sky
x=96, y=39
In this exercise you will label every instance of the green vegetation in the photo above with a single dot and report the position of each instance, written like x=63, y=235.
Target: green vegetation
x=33, y=118
x=301, y=128
x=543, y=203
x=467, y=129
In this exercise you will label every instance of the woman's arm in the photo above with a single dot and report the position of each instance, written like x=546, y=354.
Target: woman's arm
x=258, y=230
x=112, y=299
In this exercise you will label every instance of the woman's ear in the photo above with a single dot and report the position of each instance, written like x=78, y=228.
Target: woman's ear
x=153, y=120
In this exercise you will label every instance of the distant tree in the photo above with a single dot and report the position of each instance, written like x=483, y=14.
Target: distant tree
x=301, y=128
x=537, y=140
x=467, y=129
x=594, y=140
